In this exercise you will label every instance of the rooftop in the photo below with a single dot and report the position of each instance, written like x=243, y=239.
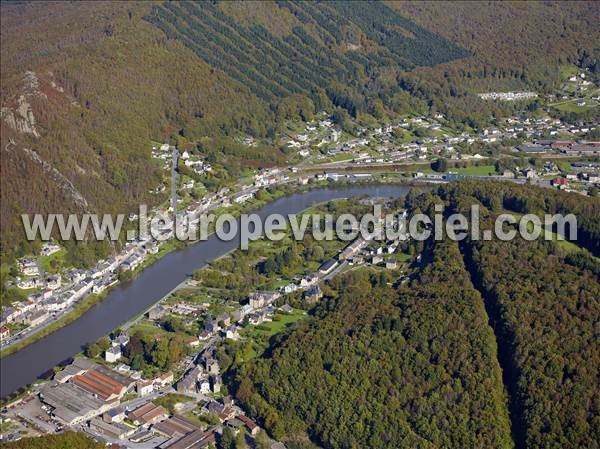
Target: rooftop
x=98, y=384
x=196, y=439
x=147, y=412
x=175, y=425
x=69, y=401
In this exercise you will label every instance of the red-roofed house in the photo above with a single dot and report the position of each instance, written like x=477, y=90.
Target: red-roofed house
x=4, y=332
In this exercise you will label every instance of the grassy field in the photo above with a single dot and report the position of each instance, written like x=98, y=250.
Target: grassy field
x=568, y=70
x=257, y=337
x=571, y=106
x=563, y=244
x=146, y=328
x=482, y=170
x=53, y=262
x=169, y=401
x=402, y=257
x=280, y=322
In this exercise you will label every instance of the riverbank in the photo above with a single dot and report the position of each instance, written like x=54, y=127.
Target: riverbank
x=125, y=301
x=81, y=307
x=276, y=192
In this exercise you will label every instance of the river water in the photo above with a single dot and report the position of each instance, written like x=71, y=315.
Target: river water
x=126, y=301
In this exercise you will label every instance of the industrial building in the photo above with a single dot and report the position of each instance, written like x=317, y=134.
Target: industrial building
x=148, y=414
x=84, y=390
x=176, y=426
x=72, y=404
x=99, y=385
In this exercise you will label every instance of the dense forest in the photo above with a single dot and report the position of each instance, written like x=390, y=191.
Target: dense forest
x=354, y=41
x=96, y=82
x=378, y=367
x=544, y=307
x=493, y=344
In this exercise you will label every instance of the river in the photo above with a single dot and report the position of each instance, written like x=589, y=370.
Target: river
x=128, y=300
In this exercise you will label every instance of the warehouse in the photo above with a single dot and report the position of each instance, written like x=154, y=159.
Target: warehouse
x=72, y=404
x=100, y=385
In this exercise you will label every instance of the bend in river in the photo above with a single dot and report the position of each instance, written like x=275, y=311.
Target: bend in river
x=126, y=301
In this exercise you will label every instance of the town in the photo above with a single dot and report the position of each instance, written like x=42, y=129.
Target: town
x=524, y=150
x=110, y=395
x=100, y=394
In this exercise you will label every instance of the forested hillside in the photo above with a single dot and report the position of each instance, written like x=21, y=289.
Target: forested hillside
x=546, y=312
x=514, y=46
x=545, y=307
x=96, y=84
x=494, y=344
x=87, y=86
x=326, y=49
x=415, y=367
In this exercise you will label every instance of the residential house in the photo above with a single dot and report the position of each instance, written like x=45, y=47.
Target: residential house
x=188, y=383
x=258, y=300
x=115, y=415
x=122, y=340
x=216, y=383
x=286, y=308
x=164, y=379
x=49, y=248
x=250, y=425
x=352, y=249
x=144, y=387
x=232, y=333
x=112, y=354
x=289, y=288
x=4, y=333
x=204, y=384
x=204, y=335
x=309, y=280
x=29, y=267
x=242, y=197
x=122, y=368
x=256, y=318
x=313, y=294
x=35, y=318
x=54, y=304
x=28, y=283
x=156, y=313
x=561, y=183
x=376, y=259
x=328, y=266
x=245, y=310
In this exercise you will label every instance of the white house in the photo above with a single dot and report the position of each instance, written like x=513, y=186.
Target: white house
x=232, y=333
x=204, y=386
x=112, y=354
x=242, y=197
x=29, y=267
x=144, y=387
x=49, y=248
x=53, y=282
x=29, y=283
x=289, y=288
